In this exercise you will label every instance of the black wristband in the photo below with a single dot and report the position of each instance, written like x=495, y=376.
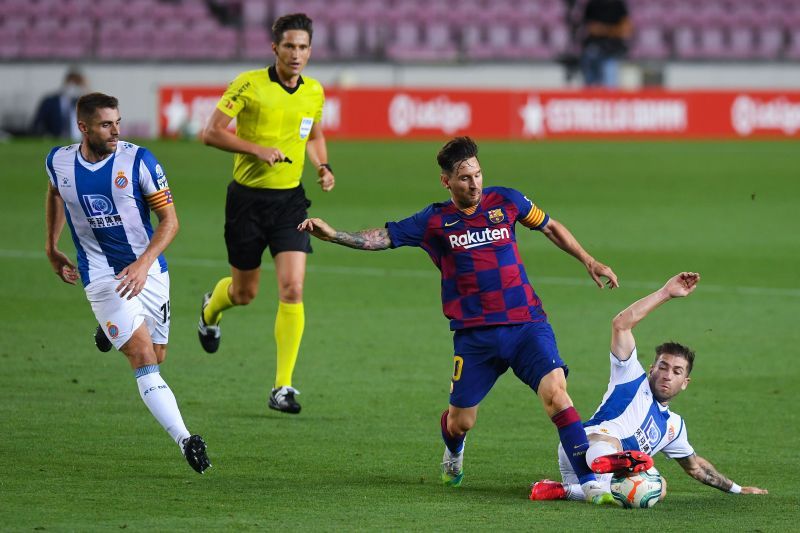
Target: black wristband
x=326, y=166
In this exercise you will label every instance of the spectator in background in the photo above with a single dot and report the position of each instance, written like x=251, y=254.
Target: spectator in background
x=55, y=115
x=607, y=26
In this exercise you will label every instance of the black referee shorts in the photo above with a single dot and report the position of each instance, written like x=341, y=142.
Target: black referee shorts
x=258, y=218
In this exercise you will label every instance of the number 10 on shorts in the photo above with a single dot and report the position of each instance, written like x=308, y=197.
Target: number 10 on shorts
x=458, y=364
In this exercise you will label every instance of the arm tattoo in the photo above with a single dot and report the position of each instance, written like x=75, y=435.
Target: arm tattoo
x=368, y=239
x=704, y=472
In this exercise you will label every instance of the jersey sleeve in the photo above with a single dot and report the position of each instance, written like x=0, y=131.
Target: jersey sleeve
x=409, y=231
x=153, y=181
x=679, y=447
x=51, y=171
x=530, y=215
x=627, y=370
x=236, y=96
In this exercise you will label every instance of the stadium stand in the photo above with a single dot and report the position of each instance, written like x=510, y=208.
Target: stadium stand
x=394, y=30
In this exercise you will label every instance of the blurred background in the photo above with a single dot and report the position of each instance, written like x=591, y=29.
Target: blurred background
x=133, y=49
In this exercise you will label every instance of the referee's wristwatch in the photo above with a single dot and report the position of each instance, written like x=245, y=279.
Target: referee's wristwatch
x=324, y=166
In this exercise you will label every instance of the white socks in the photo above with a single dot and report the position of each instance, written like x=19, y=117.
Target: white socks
x=158, y=397
x=599, y=449
x=596, y=449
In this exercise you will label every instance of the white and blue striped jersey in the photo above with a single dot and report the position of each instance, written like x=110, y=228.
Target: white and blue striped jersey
x=107, y=205
x=630, y=413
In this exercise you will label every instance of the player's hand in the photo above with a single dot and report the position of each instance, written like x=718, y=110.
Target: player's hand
x=754, y=490
x=133, y=277
x=326, y=179
x=682, y=285
x=318, y=228
x=63, y=267
x=270, y=155
x=598, y=270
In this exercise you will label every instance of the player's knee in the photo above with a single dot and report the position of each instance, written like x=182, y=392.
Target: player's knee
x=160, y=352
x=291, y=292
x=243, y=295
x=140, y=356
x=556, y=400
x=459, y=425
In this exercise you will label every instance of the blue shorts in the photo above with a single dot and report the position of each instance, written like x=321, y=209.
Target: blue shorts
x=484, y=354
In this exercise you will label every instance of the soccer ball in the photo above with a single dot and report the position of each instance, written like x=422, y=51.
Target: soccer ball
x=640, y=490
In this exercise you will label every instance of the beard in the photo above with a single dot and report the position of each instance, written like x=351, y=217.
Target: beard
x=100, y=147
x=659, y=396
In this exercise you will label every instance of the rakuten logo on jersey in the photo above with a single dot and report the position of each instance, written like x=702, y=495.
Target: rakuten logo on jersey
x=407, y=113
x=473, y=239
x=749, y=114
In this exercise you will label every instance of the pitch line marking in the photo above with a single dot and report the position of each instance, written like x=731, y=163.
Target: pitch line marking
x=417, y=273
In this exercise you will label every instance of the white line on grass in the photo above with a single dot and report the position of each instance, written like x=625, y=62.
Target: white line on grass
x=416, y=273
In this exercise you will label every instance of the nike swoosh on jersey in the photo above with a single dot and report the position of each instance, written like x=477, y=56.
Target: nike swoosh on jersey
x=448, y=224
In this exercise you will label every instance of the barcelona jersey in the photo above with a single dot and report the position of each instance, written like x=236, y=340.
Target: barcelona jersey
x=484, y=282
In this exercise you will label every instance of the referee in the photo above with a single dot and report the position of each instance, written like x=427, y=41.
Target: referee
x=278, y=114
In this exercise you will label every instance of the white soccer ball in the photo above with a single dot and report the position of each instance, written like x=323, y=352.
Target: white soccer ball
x=640, y=490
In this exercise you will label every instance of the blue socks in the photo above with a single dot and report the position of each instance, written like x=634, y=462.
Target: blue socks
x=573, y=439
x=454, y=444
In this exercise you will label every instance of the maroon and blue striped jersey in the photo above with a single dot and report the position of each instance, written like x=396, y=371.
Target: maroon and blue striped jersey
x=483, y=279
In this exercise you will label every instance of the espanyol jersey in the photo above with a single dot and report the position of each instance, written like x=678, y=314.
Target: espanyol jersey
x=483, y=279
x=107, y=205
x=630, y=413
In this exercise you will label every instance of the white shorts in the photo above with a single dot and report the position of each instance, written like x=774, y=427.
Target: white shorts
x=120, y=317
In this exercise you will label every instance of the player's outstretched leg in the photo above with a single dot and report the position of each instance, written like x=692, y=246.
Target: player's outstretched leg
x=209, y=334
x=626, y=461
x=100, y=339
x=283, y=399
x=194, y=449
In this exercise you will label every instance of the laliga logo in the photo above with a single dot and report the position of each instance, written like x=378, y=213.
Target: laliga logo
x=407, y=113
x=473, y=239
x=748, y=115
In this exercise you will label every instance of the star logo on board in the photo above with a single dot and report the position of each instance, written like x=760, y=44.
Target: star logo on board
x=532, y=114
x=176, y=113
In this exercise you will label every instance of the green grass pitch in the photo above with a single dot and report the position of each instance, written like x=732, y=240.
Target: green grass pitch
x=79, y=451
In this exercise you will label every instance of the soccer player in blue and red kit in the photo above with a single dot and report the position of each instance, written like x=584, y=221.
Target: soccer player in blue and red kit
x=496, y=316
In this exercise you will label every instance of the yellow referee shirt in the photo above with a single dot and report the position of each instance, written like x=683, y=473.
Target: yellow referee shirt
x=271, y=114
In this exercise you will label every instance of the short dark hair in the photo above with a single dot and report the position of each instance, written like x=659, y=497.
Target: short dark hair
x=455, y=152
x=674, y=348
x=295, y=21
x=88, y=104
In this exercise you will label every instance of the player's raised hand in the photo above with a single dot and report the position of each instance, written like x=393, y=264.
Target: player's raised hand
x=598, y=270
x=754, y=490
x=318, y=228
x=682, y=284
x=63, y=267
x=133, y=277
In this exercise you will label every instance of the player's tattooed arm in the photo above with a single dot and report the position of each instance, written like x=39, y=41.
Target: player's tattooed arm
x=704, y=472
x=368, y=239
